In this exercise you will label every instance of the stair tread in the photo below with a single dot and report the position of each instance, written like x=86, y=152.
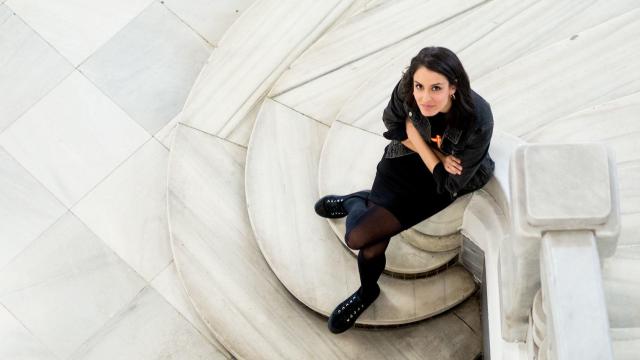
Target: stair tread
x=240, y=299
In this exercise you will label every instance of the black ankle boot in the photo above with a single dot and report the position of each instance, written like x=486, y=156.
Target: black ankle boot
x=347, y=312
x=332, y=206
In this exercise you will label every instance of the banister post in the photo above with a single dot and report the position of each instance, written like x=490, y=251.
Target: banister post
x=564, y=203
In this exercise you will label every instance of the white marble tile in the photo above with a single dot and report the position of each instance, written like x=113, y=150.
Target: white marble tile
x=522, y=106
x=17, y=342
x=29, y=67
x=281, y=187
x=165, y=135
x=66, y=285
x=254, y=52
x=5, y=13
x=222, y=267
x=210, y=18
x=366, y=34
x=128, y=210
x=77, y=28
x=149, y=66
x=147, y=328
x=169, y=284
x=26, y=208
x=72, y=138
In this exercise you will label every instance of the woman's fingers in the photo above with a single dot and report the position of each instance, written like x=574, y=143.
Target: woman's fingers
x=453, y=165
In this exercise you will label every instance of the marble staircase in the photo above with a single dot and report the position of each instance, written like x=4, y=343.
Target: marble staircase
x=264, y=133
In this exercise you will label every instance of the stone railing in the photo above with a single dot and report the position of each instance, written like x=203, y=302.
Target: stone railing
x=564, y=218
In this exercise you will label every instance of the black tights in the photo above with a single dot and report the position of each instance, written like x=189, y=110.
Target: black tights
x=369, y=229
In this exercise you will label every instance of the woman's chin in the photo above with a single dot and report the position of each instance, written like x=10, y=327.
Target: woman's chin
x=428, y=112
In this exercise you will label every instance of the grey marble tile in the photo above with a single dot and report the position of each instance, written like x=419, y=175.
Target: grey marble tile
x=26, y=208
x=29, y=67
x=254, y=52
x=209, y=18
x=66, y=285
x=165, y=135
x=77, y=28
x=147, y=328
x=128, y=210
x=222, y=268
x=17, y=342
x=169, y=284
x=5, y=12
x=72, y=138
x=149, y=66
x=300, y=247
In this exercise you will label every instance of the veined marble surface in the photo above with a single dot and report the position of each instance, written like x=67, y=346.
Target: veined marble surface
x=321, y=99
x=348, y=164
x=72, y=138
x=539, y=24
x=210, y=19
x=363, y=35
x=77, y=28
x=127, y=210
x=251, y=56
x=66, y=284
x=149, y=77
x=65, y=139
x=237, y=293
x=524, y=105
x=281, y=183
x=29, y=67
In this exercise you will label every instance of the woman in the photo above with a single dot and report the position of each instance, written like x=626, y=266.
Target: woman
x=440, y=132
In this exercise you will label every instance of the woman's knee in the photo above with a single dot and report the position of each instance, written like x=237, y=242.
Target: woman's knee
x=354, y=239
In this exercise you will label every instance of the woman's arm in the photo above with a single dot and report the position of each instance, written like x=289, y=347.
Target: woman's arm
x=420, y=146
x=451, y=163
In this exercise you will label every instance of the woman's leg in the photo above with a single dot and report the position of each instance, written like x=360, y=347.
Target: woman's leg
x=369, y=229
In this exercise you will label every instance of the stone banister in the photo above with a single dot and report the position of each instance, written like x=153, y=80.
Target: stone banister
x=564, y=220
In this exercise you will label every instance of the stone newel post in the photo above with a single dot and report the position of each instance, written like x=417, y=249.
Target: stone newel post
x=564, y=219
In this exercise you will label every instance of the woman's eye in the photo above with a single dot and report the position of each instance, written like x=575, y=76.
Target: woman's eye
x=435, y=88
x=418, y=86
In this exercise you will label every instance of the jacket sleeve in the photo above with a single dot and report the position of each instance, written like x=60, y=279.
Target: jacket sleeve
x=394, y=117
x=477, y=145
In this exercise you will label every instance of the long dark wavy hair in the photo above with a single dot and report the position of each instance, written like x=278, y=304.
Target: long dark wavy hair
x=445, y=62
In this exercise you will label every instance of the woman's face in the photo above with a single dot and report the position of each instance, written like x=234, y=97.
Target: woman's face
x=432, y=91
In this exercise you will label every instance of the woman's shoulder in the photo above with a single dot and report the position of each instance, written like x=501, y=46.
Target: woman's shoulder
x=482, y=109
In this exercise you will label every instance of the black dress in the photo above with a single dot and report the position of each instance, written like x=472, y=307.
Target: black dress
x=405, y=186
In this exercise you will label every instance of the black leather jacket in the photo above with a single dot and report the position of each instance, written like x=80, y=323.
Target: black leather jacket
x=471, y=146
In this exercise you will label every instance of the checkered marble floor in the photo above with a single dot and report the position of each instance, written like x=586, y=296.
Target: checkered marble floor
x=89, y=91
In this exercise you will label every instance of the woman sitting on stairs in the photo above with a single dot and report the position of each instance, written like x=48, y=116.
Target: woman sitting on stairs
x=440, y=131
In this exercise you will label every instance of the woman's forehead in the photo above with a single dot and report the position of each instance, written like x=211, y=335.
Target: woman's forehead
x=426, y=76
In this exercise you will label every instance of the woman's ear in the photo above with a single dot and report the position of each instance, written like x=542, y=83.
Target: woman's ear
x=452, y=90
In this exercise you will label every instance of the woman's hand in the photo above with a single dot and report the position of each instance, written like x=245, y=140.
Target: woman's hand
x=452, y=164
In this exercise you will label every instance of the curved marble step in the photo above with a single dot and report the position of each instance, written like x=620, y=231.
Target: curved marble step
x=533, y=101
x=496, y=22
x=281, y=182
x=237, y=294
x=320, y=98
x=361, y=36
x=626, y=343
x=252, y=54
x=348, y=164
